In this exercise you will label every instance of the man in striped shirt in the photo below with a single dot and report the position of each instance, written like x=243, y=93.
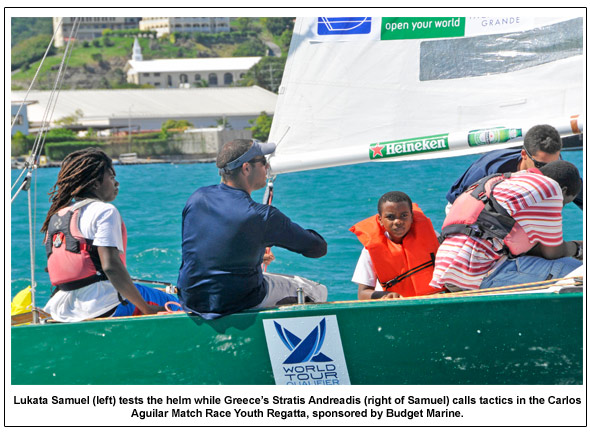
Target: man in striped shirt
x=534, y=198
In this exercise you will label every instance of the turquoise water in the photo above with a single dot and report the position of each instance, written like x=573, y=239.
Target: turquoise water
x=151, y=199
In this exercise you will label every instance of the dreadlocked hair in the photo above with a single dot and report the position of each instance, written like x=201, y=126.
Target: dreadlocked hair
x=79, y=171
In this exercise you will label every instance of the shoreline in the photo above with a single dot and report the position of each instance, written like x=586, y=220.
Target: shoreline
x=138, y=161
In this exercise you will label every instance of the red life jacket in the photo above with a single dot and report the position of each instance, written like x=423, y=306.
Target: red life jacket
x=404, y=268
x=477, y=213
x=72, y=260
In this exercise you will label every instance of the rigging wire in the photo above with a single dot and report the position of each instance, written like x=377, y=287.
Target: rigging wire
x=32, y=161
x=50, y=108
x=26, y=184
x=37, y=72
x=33, y=158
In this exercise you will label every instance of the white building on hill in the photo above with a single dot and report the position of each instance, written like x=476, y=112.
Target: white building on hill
x=186, y=73
x=90, y=27
x=167, y=25
x=147, y=109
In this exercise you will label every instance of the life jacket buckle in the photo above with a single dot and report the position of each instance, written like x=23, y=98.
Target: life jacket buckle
x=58, y=239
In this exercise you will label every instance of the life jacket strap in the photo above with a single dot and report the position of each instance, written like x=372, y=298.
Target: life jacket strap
x=494, y=221
x=394, y=281
x=77, y=284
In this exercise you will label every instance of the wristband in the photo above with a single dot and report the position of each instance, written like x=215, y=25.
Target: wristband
x=579, y=250
x=377, y=295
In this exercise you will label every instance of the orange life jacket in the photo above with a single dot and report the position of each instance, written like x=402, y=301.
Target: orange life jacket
x=404, y=268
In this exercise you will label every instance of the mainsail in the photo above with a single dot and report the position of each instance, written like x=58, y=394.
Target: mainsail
x=363, y=89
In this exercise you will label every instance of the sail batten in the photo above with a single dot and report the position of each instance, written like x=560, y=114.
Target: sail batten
x=344, y=93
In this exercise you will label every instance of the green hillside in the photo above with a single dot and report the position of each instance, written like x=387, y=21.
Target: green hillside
x=100, y=63
x=24, y=28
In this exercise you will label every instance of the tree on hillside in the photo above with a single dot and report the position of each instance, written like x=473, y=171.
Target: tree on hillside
x=243, y=24
x=30, y=50
x=251, y=47
x=277, y=25
x=22, y=28
x=267, y=73
x=285, y=39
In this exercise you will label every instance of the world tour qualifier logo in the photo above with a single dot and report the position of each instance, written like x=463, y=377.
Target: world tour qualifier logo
x=306, y=351
x=344, y=25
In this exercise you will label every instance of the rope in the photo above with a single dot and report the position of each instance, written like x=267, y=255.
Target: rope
x=172, y=303
x=268, y=196
x=525, y=287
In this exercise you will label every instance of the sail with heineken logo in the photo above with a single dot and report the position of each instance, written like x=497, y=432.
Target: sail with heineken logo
x=423, y=88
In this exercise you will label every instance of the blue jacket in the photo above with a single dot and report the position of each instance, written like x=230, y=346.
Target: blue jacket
x=224, y=236
x=498, y=161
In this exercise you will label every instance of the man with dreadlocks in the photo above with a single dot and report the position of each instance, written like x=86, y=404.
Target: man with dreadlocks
x=86, y=242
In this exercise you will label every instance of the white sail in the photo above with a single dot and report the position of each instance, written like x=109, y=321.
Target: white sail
x=361, y=89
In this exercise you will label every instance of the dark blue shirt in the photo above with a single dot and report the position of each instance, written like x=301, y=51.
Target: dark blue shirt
x=497, y=161
x=224, y=236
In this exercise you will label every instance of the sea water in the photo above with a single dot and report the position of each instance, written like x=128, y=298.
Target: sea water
x=151, y=198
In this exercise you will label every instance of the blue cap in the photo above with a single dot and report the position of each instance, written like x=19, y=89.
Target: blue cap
x=257, y=149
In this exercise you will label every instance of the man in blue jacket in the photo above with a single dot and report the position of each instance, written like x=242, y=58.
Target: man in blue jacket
x=542, y=144
x=225, y=234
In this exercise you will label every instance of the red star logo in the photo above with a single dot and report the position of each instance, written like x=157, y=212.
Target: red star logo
x=376, y=149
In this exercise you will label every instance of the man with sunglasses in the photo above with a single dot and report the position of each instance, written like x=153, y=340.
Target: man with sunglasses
x=542, y=144
x=225, y=234
x=509, y=231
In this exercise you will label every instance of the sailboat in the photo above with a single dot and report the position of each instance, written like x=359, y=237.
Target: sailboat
x=354, y=91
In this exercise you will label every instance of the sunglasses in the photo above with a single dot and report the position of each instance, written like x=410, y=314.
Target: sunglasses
x=536, y=162
x=258, y=159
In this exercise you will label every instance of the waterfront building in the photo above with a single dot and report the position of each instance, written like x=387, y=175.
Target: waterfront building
x=167, y=25
x=146, y=109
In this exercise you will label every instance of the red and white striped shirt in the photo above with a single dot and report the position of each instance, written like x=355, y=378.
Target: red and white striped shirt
x=533, y=200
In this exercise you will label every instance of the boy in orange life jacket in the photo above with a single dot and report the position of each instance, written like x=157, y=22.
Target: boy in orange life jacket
x=400, y=245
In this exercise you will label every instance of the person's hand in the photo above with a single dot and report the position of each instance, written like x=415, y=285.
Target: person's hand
x=152, y=309
x=581, y=244
x=268, y=258
x=391, y=296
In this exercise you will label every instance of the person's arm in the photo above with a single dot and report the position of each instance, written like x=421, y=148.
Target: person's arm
x=366, y=292
x=120, y=279
x=566, y=249
x=468, y=178
x=284, y=233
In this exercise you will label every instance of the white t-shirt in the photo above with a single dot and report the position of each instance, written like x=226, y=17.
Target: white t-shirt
x=364, y=273
x=101, y=222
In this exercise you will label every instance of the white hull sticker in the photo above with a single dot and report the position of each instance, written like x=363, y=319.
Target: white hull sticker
x=306, y=351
